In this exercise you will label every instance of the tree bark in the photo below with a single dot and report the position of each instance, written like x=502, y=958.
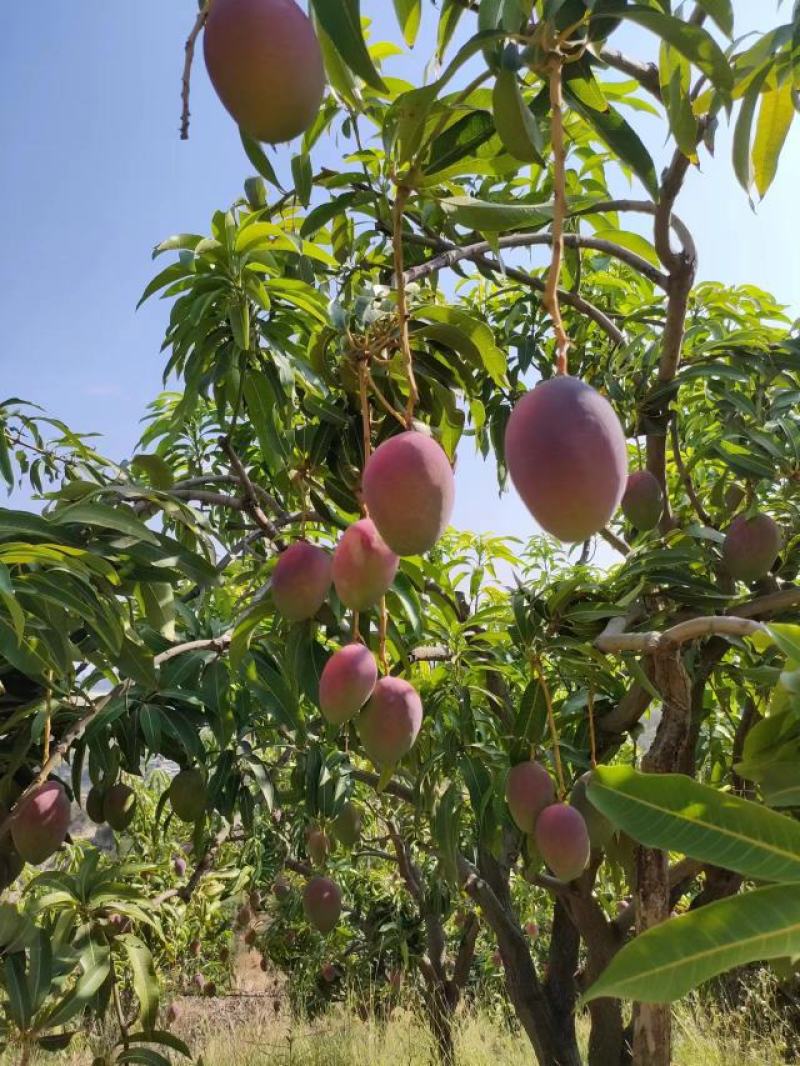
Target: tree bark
x=489, y=886
x=652, y=1022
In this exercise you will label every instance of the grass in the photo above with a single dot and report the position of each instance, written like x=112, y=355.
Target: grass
x=256, y=1036
x=342, y=1039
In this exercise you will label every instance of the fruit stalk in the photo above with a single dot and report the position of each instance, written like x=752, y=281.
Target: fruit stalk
x=186, y=80
x=536, y=663
x=402, y=307
x=550, y=298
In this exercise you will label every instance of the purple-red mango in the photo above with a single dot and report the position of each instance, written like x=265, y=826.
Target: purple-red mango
x=390, y=722
x=409, y=488
x=643, y=501
x=322, y=903
x=265, y=62
x=40, y=822
x=529, y=789
x=567, y=457
x=563, y=840
x=301, y=580
x=751, y=547
x=346, y=683
x=363, y=566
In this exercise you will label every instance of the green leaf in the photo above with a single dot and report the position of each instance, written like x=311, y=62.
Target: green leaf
x=675, y=80
x=448, y=22
x=742, y=164
x=303, y=177
x=621, y=138
x=157, y=470
x=721, y=11
x=519, y=131
x=159, y=1036
x=341, y=20
x=490, y=217
x=41, y=969
x=145, y=980
x=669, y=960
x=465, y=334
x=409, y=14
x=243, y=634
x=158, y=600
x=96, y=963
x=672, y=812
x=693, y=42
x=100, y=516
x=255, y=153
x=774, y=119
x=16, y=988
x=260, y=402
x=460, y=140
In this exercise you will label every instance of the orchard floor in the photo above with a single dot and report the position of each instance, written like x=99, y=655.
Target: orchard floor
x=249, y=1031
x=342, y=1039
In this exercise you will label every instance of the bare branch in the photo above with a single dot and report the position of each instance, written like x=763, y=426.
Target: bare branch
x=616, y=542
x=250, y=494
x=571, y=299
x=692, y=629
x=186, y=80
x=645, y=73
x=700, y=511
x=455, y=254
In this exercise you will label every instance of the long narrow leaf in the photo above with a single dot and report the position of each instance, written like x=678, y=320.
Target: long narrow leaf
x=666, y=962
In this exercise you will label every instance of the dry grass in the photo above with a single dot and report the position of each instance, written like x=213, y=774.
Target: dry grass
x=342, y=1039
x=252, y=1034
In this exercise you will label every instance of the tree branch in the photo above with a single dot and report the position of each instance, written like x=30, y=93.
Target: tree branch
x=455, y=254
x=189, y=48
x=700, y=511
x=692, y=629
x=645, y=73
x=571, y=299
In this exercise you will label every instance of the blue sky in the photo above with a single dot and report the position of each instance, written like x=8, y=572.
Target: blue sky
x=93, y=174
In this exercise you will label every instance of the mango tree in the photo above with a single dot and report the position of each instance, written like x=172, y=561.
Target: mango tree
x=264, y=594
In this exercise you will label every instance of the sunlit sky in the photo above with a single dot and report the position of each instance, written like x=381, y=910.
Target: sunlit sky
x=93, y=174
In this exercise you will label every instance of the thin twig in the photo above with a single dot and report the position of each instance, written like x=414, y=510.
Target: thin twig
x=551, y=723
x=550, y=298
x=694, y=499
x=402, y=307
x=186, y=81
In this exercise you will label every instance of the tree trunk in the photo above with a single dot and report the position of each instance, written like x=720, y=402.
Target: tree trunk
x=652, y=1022
x=565, y=942
x=536, y=1016
x=440, y=1020
x=608, y=1043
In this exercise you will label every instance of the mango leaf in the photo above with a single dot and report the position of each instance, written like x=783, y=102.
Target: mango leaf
x=742, y=164
x=621, y=138
x=145, y=980
x=96, y=963
x=409, y=14
x=669, y=960
x=460, y=140
x=519, y=131
x=98, y=515
x=675, y=80
x=672, y=812
x=490, y=217
x=341, y=20
x=467, y=335
x=156, y=469
x=693, y=42
x=774, y=119
x=255, y=153
x=16, y=988
x=721, y=11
